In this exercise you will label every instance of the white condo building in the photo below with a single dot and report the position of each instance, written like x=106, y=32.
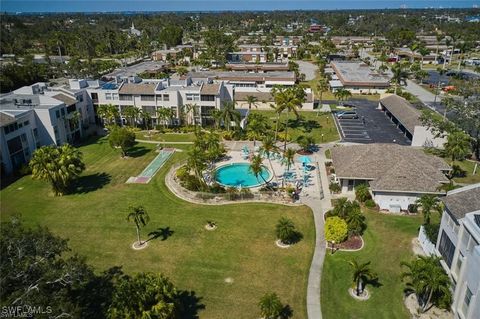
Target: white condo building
x=459, y=245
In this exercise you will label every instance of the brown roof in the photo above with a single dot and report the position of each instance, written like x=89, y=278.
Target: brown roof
x=403, y=111
x=390, y=167
x=6, y=119
x=211, y=89
x=462, y=201
x=141, y=88
x=65, y=99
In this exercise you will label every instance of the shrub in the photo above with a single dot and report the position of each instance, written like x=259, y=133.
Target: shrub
x=336, y=229
x=362, y=193
x=335, y=187
x=370, y=203
x=286, y=232
x=182, y=173
x=191, y=183
x=413, y=208
x=24, y=170
x=246, y=193
x=228, y=135
x=232, y=193
x=457, y=171
x=216, y=188
x=431, y=230
x=282, y=136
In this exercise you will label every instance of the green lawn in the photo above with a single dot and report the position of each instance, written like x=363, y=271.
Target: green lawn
x=468, y=167
x=242, y=248
x=387, y=243
x=312, y=123
x=166, y=137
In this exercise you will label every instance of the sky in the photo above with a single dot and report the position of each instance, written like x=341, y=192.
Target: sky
x=217, y=5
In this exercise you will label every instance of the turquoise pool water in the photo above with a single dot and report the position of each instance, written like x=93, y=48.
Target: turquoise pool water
x=238, y=174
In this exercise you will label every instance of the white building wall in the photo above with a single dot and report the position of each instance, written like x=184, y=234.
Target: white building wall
x=389, y=201
x=423, y=137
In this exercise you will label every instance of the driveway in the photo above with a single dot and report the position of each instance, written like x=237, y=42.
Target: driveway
x=307, y=68
x=376, y=127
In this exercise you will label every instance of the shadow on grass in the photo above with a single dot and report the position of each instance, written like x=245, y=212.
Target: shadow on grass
x=90, y=183
x=374, y=282
x=164, y=233
x=287, y=312
x=137, y=151
x=190, y=305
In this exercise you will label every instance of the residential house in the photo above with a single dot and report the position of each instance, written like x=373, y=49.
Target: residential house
x=358, y=77
x=397, y=175
x=34, y=116
x=459, y=245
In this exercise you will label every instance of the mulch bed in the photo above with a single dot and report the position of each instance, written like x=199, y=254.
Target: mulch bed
x=354, y=242
x=303, y=152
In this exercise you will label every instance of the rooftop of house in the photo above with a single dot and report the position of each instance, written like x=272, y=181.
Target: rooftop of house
x=6, y=119
x=462, y=201
x=210, y=89
x=403, y=111
x=245, y=76
x=391, y=167
x=138, y=88
x=257, y=66
x=65, y=99
x=18, y=103
x=358, y=73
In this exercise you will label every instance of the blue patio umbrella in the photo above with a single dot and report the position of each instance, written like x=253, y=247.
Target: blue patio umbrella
x=304, y=159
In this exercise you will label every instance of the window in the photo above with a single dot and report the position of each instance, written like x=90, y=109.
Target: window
x=466, y=301
x=62, y=111
x=126, y=97
x=57, y=114
x=446, y=249
x=108, y=96
x=192, y=97
x=80, y=98
x=147, y=97
x=166, y=97
x=208, y=98
x=459, y=263
x=26, y=123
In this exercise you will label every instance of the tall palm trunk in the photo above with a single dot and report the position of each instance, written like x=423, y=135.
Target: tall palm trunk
x=271, y=166
x=276, y=127
x=138, y=234
x=425, y=305
x=359, y=286
x=286, y=133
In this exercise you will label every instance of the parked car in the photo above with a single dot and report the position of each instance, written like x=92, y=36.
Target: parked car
x=347, y=115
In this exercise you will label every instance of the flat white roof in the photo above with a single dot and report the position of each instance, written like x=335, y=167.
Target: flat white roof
x=335, y=84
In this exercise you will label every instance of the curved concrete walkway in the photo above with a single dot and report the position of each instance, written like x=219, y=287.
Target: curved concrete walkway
x=319, y=206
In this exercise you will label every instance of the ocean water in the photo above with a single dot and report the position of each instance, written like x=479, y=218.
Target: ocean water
x=224, y=5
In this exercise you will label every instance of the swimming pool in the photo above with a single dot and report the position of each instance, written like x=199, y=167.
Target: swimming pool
x=239, y=174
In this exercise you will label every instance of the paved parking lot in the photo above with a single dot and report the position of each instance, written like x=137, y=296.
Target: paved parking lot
x=372, y=126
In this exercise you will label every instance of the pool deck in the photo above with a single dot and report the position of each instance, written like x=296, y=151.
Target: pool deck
x=313, y=186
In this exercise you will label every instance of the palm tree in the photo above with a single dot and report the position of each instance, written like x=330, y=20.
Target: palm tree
x=342, y=94
x=256, y=167
x=285, y=230
x=256, y=126
x=428, y=281
x=140, y=217
x=57, y=165
x=229, y=115
x=252, y=101
x=131, y=112
x=165, y=115
x=217, y=117
x=147, y=117
x=278, y=109
x=356, y=222
x=399, y=75
x=270, y=306
x=457, y=145
x=322, y=86
x=289, y=99
x=269, y=148
x=191, y=110
x=428, y=203
x=361, y=274
x=288, y=157
x=108, y=112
